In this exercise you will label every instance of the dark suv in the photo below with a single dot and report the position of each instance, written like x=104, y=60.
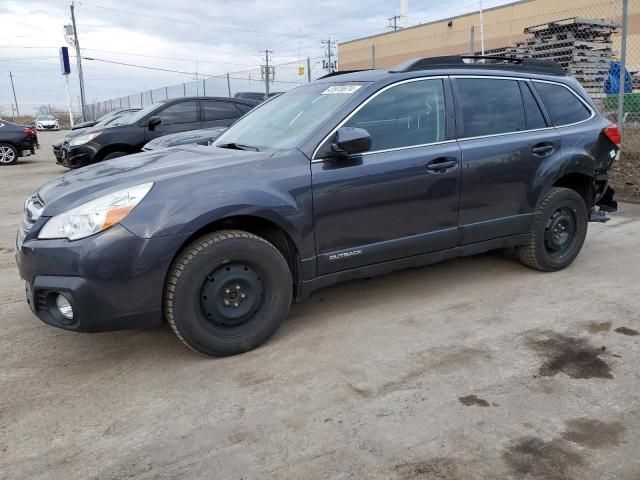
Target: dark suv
x=351, y=176
x=153, y=121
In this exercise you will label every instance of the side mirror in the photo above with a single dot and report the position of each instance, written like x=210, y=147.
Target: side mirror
x=350, y=141
x=153, y=122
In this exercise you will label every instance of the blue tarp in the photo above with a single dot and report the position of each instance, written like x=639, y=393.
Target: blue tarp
x=612, y=83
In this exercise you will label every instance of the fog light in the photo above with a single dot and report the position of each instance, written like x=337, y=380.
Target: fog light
x=64, y=307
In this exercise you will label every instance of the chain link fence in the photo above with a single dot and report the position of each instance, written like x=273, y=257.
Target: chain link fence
x=585, y=38
x=285, y=77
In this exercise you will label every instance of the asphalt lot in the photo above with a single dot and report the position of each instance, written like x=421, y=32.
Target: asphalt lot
x=476, y=368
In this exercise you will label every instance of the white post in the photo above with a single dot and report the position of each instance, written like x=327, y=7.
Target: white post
x=66, y=79
x=481, y=30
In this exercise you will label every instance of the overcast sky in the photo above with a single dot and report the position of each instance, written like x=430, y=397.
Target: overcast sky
x=210, y=36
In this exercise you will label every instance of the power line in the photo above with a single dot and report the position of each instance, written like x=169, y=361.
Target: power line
x=187, y=22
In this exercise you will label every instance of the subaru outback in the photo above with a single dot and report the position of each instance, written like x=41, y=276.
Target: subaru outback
x=354, y=175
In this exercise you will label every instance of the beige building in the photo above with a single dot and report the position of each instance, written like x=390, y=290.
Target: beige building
x=503, y=27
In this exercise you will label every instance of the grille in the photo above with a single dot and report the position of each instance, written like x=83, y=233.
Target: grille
x=40, y=300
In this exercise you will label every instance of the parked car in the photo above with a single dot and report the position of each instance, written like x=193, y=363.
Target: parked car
x=104, y=118
x=111, y=120
x=350, y=176
x=16, y=141
x=46, y=122
x=157, y=120
x=204, y=136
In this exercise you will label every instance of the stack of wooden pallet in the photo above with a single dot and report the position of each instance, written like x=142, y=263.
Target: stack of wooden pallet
x=583, y=47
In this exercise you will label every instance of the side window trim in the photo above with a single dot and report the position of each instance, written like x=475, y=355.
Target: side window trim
x=543, y=108
x=523, y=84
x=449, y=136
x=582, y=100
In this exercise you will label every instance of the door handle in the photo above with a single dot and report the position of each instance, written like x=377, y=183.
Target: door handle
x=543, y=149
x=441, y=165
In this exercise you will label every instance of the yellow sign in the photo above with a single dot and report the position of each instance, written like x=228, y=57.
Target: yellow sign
x=300, y=70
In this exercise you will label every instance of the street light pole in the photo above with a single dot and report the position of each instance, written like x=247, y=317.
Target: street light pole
x=79, y=60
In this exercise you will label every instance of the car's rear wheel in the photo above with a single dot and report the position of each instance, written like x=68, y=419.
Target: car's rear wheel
x=558, y=232
x=227, y=292
x=115, y=155
x=8, y=154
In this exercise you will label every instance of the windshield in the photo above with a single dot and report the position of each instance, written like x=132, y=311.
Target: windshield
x=140, y=114
x=117, y=119
x=45, y=117
x=284, y=121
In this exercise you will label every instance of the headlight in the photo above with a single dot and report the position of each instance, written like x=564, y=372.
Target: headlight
x=82, y=139
x=96, y=215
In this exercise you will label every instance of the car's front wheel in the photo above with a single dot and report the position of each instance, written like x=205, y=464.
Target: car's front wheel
x=227, y=292
x=558, y=232
x=8, y=154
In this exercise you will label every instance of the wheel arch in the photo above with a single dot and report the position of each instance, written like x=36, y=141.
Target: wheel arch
x=116, y=147
x=262, y=227
x=581, y=183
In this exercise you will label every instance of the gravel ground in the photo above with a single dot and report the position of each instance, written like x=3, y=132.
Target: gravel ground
x=476, y=368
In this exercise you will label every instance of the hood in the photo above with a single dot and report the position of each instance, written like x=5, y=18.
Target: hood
x=85, y=184
x=81, y=131
x=47, y=122
x=185, y=138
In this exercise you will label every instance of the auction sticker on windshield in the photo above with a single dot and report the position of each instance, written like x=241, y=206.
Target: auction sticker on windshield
x=336, y=89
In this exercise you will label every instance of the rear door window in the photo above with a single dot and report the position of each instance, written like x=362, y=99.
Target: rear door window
x=563, y=106
x=182, y=112
x=405, y=115
x=490, y=106
x=219, y=110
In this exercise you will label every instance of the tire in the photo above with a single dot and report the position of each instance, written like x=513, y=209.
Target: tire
x=114, y=155
x=243, y=309
x=558, y=231
x=8, y=154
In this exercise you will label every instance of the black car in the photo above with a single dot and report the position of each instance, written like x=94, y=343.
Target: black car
x=204, y=136
x=257, y=96
x=110, y=120
x=156, y=120
x=15, y=141
x=351, y=176
x=104, y=118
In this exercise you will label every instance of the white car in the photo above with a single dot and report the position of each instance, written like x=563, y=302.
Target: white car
x=47, y=122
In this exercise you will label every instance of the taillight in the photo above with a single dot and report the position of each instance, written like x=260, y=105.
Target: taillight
x=29, y=131
x=612, y=132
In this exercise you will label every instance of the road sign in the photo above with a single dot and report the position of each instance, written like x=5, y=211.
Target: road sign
x=65, y=66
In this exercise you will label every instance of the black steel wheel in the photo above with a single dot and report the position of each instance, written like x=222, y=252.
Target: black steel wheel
x=558, y=231
x=227, y=292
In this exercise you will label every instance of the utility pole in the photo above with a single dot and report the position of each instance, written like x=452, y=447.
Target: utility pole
x=328, y=63
x=14, y=94
x=268, y=72
x=393, y=22
x=308, y=70
x=79, y=60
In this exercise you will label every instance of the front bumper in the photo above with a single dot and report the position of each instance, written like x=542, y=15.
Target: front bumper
x=114, y=280
x=75, y=157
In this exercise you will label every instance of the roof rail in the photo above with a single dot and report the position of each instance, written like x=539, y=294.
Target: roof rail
x=341, y=72
x=532, y=65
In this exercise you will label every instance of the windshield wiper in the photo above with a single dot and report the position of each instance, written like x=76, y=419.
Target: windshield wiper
x=239, y=146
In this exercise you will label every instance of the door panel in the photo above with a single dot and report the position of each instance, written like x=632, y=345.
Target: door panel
x=384, y=206
x=401, y=198
x=509, y=145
